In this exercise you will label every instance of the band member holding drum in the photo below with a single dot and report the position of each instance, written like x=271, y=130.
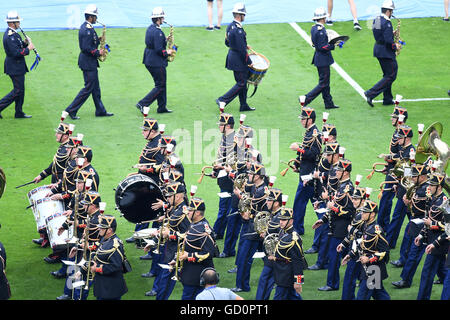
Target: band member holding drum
x=56, y=167
x=199, y=249
x=322, y=60
x=384, y=50
x=155, y=60
x=15, y=65
x=237, y=60
x=88, y=63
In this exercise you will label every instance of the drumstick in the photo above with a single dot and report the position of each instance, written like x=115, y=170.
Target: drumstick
x=25, y=184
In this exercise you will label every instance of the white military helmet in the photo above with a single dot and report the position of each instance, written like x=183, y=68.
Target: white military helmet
x=158, y=12
x=388, y=4
x=91, y=9
x=320, y=13
x=239, y=8
x=13, y=16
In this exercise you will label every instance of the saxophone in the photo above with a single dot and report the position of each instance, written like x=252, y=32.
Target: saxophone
x=170, y=43
x=397, y=39
x=103, y=44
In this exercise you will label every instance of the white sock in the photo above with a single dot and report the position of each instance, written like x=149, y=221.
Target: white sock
x=355, y=20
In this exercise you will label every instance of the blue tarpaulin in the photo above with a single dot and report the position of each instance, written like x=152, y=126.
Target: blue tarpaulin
x=68, y=14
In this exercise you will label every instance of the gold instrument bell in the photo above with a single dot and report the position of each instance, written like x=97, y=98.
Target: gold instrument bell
x=430, y=144
x=335, y=38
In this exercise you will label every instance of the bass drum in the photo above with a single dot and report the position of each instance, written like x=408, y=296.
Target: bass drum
x=135, y=196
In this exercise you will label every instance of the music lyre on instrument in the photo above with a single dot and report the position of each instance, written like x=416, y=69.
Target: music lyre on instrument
x=258, y=69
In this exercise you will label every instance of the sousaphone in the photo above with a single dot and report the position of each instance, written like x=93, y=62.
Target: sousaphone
x=430, y=144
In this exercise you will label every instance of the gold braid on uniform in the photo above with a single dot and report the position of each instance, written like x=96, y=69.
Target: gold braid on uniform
x=108, y=252
x=205, y=235
x=416, y=199
x=288, y=246
x=374, y=241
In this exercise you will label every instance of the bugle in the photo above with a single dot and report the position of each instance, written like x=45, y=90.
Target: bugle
x=203, y=173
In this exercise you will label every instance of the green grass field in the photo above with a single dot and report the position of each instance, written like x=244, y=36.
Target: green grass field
x=195, y=79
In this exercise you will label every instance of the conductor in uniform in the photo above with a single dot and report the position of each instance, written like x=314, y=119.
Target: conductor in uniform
x=155, y=60
x=322, y=60
x=15, y=65
x=385, y=51
x=88, y=63
x=238, y=60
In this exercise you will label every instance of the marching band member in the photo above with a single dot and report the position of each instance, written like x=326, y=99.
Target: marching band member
x=328, y=187
x=155, y=60
x=56, y=168
x=15, y=65
x=308, y=156
x=413, y=250
x=108, y=266
x=88, y=63
x=390, y=182
x=85, y=246
x=274, y=203
x=384, y=50
x=237, y=61
x=225, y=154
x=354, y=232
x=250, y=239
x=405, y=135
x=199, y=249
x=329, y=135
x=149, y=162
x=322, y=60
x=289, y=260
x=178, y=224
x=339, y=215
x=434, y=227
x=373, y=251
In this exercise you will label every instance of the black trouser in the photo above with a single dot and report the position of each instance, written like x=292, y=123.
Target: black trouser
x=240, y=88
x=91, y=86
x=16, y=95
x=390, y=68
x=159, y=92
x=323, y=87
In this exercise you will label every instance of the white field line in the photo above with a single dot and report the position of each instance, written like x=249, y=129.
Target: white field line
x=346, y=76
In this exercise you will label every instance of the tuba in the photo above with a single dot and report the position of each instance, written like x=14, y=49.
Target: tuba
x=171, y=44
x=397, y=39
x=430, y=144
x=103, y=44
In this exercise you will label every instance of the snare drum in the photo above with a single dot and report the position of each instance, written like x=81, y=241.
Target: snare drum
x=54, y=222
x=43, y=207
x=135, y=196
x=260, y=65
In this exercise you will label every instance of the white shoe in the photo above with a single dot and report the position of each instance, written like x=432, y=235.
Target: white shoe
x=356, y=26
